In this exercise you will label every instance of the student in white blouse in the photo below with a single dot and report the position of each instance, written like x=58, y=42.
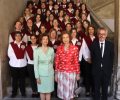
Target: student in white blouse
x=17, y=62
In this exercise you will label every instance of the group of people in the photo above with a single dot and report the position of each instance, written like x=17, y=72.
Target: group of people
x=57, y=44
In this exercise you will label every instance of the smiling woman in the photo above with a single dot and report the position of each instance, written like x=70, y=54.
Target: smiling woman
x=66, y=68
x=43, y=67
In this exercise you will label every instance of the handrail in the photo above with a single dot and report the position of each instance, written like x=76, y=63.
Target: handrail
x=99, y=21
x=97, y=7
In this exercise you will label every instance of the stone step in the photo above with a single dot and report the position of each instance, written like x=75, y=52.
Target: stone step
x=29, y=92
x=80, y=98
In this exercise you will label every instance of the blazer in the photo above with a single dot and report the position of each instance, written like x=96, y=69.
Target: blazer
x=43, y=63
x=106, y=60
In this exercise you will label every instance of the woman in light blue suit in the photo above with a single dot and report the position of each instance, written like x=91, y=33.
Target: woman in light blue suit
x=43, y=67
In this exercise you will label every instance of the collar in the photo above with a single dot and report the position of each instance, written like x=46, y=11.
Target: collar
x=102, y=42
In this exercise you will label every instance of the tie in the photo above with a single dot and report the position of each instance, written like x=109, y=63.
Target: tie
x=101, y=48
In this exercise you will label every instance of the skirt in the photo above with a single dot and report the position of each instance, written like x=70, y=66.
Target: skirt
x=66, y=85
x=47, y=84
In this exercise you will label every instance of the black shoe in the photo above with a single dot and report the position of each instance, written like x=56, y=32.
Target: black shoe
x=23, y=95
x=13, y=96
x=87, y=94
x=33, y=95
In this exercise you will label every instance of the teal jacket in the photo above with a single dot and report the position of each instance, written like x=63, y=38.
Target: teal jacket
x=43, y=63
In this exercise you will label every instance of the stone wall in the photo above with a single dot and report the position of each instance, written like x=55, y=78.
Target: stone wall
x=103, y=8
x=9, y=12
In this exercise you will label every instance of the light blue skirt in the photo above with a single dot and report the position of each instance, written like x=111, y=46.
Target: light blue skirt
x=47, y=84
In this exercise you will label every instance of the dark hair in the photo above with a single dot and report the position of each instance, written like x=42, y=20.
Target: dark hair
x=92, y=27
x=36, y=16
x=18, y=32
x=33, y=35
x=40, y=39
x=52, y=29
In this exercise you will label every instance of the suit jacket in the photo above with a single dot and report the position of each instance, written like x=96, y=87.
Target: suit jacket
x=106, y=60
x=43, y=63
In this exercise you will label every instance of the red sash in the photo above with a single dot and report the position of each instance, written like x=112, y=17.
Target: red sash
x=30, y=52
x=19, y=52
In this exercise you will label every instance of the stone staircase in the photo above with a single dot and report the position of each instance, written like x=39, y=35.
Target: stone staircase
x=29, y=92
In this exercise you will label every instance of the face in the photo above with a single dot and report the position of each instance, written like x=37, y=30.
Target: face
x=51, y=17
x=33, y=40
x=67, y=17
x=38, y=18
x=85, y=24
x=30, y=6
x=53, y=35
x=38, y=11
x=102, y=35
x=79, y=24
x=83, y=6
x=43, y=5
x=91, y=31
x=74, y=33
x=42, y=29
x=18, y=37
x=65, y=39
x=27, y=11
x=56, y=7
x=68, y=27
x=29, y=23
x=64, y=1
x=21, y=19
x=55, y=23
x=61, y=13
x=70, y=5
x=44, y=40
x=48, y=13
x=18, y=26
x=50, y=2
x=84, y=17
x=77, y=12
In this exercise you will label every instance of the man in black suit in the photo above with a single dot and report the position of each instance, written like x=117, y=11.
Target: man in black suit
x=102, y=53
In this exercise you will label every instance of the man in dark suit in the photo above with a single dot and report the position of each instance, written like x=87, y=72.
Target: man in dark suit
x=102, y=53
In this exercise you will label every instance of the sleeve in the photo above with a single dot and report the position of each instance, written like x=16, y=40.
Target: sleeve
x=10, y=54
x=85, y=51
x=57, y=60
x=10, y=38
x=36, y=64
x=76, y=61
x=53, y=55
x=80, y=52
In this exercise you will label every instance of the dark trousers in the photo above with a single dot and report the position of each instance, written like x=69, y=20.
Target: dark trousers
x=101, y=83
x=31, y=74
x=86, y=74
x=18, y=79
x=88, y=77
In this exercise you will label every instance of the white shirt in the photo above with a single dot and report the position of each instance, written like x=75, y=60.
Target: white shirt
x=74, y=41
x=84, y=51
x=28, y=58
x=103, y=47
x=14, y=62
x=38, y=24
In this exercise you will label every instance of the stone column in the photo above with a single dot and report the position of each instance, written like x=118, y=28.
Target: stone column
x=10, y=10
x=117, y=48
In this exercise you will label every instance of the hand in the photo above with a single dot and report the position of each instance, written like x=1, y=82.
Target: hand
x=38, y=81
x=56, y=78
x=78, y=77
x=89, y=60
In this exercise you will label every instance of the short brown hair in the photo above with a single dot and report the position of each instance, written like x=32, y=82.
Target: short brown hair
x=40, y=39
